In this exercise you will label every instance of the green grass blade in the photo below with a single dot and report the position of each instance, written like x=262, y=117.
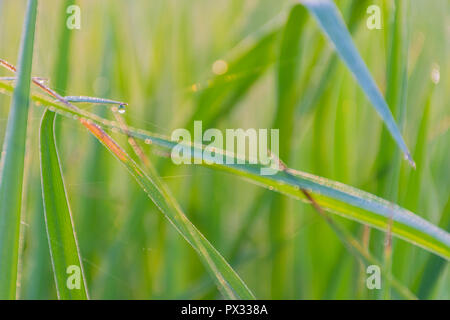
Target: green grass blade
x=58, y=218
x=396, y=93
x=62, y=65
x=227, y=280
x=354, y=246
x=38, y=261
x=91, y=211
x=36, y=253
x=288, y=70
x=421, y=151
x=388, y=160
x=333, y=196
x=314, y=91
x=331, y=22
x=59, y=224
x=249, y=65
x=12, y=161
x=357, y=11
x=84, y=99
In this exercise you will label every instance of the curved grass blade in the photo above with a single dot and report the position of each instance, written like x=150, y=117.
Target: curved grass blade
x=61, y=235
x=287, y=82
x=69, y=254
x=12, y=161
x=314, y=91
x=38, y=287
x=327, y=15
x=396, y=93
x=227, y=280
x=333, y=196
x=353, y=246
x=287, y=76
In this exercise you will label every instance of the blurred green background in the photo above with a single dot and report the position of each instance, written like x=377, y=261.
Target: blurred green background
x=158, y=56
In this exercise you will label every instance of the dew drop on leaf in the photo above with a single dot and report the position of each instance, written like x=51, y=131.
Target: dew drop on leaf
x=121, y=109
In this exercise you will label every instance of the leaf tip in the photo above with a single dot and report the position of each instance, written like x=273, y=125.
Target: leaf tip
x=409, y=158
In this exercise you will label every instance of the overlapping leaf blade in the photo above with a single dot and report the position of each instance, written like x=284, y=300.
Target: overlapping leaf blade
x=65, y=255
x=331, y=22
x=335, y=197
x=12, y=162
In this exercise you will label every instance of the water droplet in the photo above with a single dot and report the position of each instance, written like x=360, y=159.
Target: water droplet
x=39, y=80
x=121, y=109
x=435, y=74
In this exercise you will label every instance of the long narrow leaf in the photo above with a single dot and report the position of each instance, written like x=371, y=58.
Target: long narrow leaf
x=227, y=280
x=35, y=286
x=331, y=22
x=333, y=196
x=62, y=240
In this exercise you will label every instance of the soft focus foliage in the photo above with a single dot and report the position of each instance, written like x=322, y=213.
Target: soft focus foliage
x=236, y=64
